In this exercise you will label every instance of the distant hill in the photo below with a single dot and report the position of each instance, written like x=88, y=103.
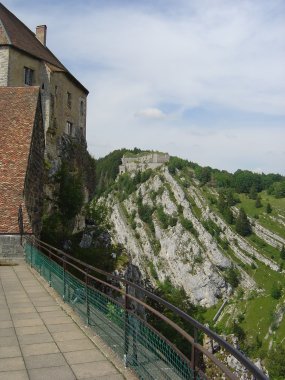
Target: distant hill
x=217, y=236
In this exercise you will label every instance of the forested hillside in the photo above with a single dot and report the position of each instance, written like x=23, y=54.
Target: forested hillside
x=216, y=237
x=209, y=241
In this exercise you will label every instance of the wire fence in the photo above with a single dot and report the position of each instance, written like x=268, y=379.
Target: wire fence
x=111, y=307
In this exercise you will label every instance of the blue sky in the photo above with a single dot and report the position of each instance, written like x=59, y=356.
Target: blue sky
x=201, y=79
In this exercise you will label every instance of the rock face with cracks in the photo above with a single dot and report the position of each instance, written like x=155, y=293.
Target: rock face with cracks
x=174, y=241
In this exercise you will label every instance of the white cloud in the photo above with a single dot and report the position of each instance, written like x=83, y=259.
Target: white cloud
x=151, y=113
x=191, y=53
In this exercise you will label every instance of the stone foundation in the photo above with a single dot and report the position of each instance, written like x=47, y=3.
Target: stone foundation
x=10, y=247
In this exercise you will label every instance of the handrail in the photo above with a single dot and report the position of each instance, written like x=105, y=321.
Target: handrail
x=62, y=256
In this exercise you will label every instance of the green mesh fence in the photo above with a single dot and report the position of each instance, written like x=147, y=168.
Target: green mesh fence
x=141, y=348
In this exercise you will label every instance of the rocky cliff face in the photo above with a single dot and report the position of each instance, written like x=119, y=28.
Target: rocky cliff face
x=69, y=185
x=170, y=231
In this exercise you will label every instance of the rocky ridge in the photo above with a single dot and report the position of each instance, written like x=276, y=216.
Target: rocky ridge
x=192, y=257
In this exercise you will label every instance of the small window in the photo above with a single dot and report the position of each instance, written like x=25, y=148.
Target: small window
x=69, y=128
x=69, y=99
x=52, y=103
x=81, y=108
x=28, y=76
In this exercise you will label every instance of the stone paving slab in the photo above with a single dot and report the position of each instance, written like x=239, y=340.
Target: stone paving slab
x=40, y=341
x=11, y=364
x=84, y=356
x=45, y=361
x=60, y=373
x=88, y=370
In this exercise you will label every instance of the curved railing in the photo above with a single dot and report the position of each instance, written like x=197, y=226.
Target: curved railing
x=128, y=318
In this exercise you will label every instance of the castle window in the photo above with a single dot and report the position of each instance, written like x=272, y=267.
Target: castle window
x=28, y=76
x=81, y=108
x=69, y=128
x=52, y=104
x=69, y=99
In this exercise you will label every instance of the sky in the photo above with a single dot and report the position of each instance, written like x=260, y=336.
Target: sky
x=200, y=79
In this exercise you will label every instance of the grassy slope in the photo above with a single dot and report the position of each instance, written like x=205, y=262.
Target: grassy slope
x=278, y=206
x=256, y=311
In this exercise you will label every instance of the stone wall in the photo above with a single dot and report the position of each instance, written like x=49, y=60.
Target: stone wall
x=17, y=61
x=34, y=181
x=143, y=162
x=147, y=158
x=4, y=64
x=55, y=85
x=10, y=247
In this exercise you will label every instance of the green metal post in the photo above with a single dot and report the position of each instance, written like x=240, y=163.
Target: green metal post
x=31, y=263
x=64, y=277
x=126, y=327
x=49, y=281
x=86, y=295
x=193, y=354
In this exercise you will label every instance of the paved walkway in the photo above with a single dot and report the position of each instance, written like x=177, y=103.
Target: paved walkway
x=39, y=340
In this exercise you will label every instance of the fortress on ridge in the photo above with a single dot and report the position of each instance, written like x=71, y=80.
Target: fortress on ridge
x=142, y=161
x=42, y=108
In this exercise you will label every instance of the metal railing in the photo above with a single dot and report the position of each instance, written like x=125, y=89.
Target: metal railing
x=127, y=317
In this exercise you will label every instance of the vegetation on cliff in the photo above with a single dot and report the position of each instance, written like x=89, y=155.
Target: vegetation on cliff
x=193, y=230
x=244, y=214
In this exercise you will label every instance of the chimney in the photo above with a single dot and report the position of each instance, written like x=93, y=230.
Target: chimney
x=41, y=34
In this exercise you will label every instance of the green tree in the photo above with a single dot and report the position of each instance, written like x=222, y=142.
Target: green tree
x=243, y=226
x=187, y=224
x=276, y=291
x=177, y=163
x=276, y=365
x=258, y=203
x=278, y=189
x=228, y=215
x=222, y=203
x=282, y=253
x=203, y=174
x=222, y=178
x=162, y=217
x=252, y=192
x=244, y=180
x=238, y=331
x=70, y=196
x=233, y=277
x=107, y=169
x=268, y=208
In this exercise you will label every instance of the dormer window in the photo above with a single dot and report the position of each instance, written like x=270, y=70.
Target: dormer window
x=28, y=76
x=69, y=99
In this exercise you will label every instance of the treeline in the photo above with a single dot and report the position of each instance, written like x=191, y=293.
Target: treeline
x=242, y=181
x=107, y=169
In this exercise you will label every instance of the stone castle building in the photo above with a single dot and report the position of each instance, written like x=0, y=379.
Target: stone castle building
x=143, y=161
x=25, y=60
x=41, y=105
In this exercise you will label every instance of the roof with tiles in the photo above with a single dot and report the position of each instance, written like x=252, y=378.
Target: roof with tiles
x=18, y=106
x=14, y=33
